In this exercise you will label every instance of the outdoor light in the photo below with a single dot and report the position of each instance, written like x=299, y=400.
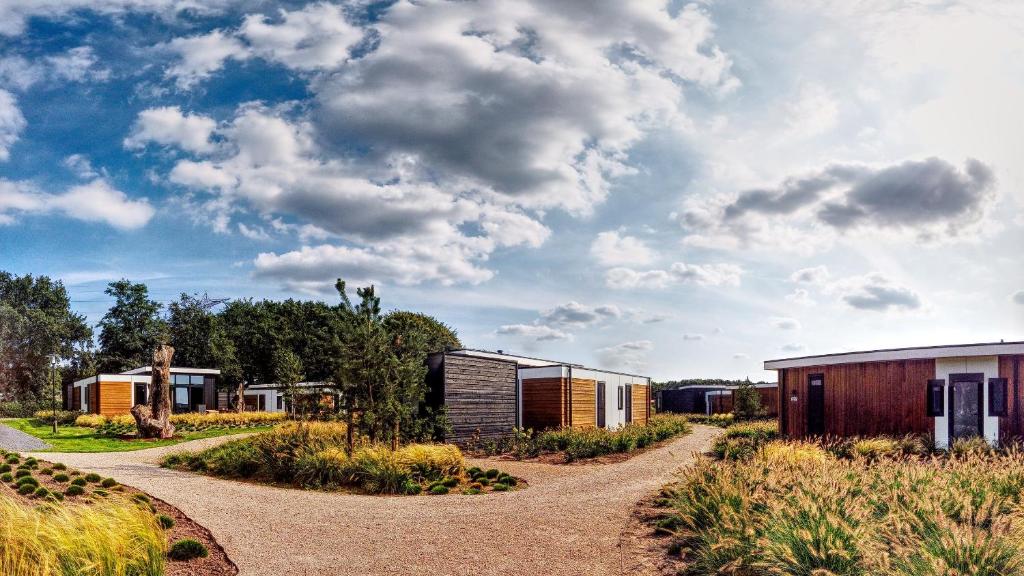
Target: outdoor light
x=54, y=359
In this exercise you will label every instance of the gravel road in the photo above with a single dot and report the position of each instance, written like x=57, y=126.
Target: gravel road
x=568, y=522
x=17, y=441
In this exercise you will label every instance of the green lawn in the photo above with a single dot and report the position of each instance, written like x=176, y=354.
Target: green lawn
x=79, y=439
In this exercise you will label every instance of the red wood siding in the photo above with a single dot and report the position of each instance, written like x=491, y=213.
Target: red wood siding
x=1012, y=425
x=545, y=403
x=720, y=403
x=861, y=399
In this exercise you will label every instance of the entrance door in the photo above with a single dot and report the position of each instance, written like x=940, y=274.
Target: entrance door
x=965, y=394
x=816, y=405
x=600, y=405
x=629, y=403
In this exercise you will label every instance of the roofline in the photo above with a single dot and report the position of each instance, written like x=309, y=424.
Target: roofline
x=891, y=354
x=552, y=362
x=174, y=369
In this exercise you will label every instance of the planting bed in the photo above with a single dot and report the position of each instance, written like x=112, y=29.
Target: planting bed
x=54, y=484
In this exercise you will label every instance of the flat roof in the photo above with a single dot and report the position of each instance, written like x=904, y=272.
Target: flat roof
x=532, y=362
x=174, y=370
x=892, y=354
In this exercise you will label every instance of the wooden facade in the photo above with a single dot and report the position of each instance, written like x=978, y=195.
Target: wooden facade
x=115, y=398
x=584, y=403
x=545, y=403
x=641, y=409
x=884, y=397
x=479, y=395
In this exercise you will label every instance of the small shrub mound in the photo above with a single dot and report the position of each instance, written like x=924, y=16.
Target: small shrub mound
x=93, y=478
x=6, y=477
x=79, y=482
x=74, y=490
x=60, y=477
x=108, y=483
x=166, y=522
x=187, y=549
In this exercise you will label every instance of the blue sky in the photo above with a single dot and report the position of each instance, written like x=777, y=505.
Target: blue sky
x=680, y=189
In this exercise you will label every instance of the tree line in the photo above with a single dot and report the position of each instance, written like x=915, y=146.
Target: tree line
x=374, y=359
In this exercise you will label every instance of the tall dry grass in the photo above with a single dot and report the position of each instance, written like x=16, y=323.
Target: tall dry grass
x=190, y=422
x=795, y=509
x=107, y=538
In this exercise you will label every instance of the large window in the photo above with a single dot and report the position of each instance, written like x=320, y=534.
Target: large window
x=187, y=392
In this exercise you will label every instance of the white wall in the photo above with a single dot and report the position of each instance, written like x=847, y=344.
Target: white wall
x=944, y=367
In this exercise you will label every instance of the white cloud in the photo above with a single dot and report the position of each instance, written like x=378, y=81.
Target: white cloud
x=630, y=355
x=877, y=293
x=14, y=14
x=1018, y=297
x=96, y=201
x=199, y=57
x=18, y=73
x=317, y=36
x=801, y=296
x=253, y=232
x=786, y=323
x=78, y=65
x=81, y=166
x=814, y=112
x=534, y=332
x=612, y=249
x=679, y=272
x=11, y=123
x=575, y=315
x=817, y=275
x=793, y=347
x=693, y=337
x=168, y=126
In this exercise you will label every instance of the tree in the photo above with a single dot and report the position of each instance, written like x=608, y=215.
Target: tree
x=287, y=374
x=747, y=403
x=200, y=339
x=131, y=329
x=430, y=334
x=35, y=321
x=153, y=420
x=380, y=388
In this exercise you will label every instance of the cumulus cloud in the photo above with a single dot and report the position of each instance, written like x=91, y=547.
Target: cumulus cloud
x=793, y=347
x=613, y=249
x=78, y=65
x=1018, y=297
x=576, y=315
x=11, y=123
x=316, y=37
x=96, y=201
x=199, y=57
x=81, y=166
x=817, y=275
x=800, y=296
x=168, y=126
x=786, y=323
x=14, y=14
x=536, y=332
x=630, y=355
x=679, y=273
x=877, y=293
x=930, y=199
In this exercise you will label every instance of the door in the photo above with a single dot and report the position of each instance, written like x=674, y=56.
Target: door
x=600, y=405
x=816, y=405
x=629, y=403
x=965, y=395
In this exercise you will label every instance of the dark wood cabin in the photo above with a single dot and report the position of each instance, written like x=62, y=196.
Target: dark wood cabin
x=479, y=394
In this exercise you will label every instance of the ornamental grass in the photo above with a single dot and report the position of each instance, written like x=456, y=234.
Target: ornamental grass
x=794, y=508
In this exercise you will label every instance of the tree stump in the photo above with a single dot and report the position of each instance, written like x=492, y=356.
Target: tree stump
x=153, y=420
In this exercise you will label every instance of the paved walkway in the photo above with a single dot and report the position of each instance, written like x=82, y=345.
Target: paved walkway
x=17, y=441
x=568, y=522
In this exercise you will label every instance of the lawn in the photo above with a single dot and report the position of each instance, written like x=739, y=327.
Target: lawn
x=81, y=439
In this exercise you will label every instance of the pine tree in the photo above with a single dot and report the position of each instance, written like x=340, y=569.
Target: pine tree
x=747, y=402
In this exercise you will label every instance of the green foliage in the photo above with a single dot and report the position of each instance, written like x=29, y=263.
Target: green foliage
x=93, y=477
x=13, y=459
x=747, y=401
x=74, y=490
x=60, y=466
x=64, y=417
x=40, y=492
x=79, y=482
x=6, y=477
x=5, y=468
x=287, y=370
x=439, y=489
x=499, y=487
x=22, y=472
x=60, y=477
x=27, y=480
x=166, y=522
x=200, y=338
x=108, y=483
x=26, y=489
x=131, y=328
x=187, y=549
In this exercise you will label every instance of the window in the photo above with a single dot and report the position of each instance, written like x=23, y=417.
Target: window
x=997, y=397
x=622, y=396
x=140, y=393
x=280, y=402
x=181, y=399
x=936, y=398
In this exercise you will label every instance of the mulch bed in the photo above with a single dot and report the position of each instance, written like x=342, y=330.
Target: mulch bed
x=560, y=459
x=644, y=551
x=216, y=564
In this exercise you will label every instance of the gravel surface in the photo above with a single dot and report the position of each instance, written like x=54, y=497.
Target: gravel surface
x=18, y=441
x=569, y=520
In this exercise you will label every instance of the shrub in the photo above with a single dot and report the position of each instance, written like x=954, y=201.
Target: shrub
x=108, y=483
x=93, y=477
x=90, y=420
x=123, y=424
x=13, y=459
x=413, y=488
x=499, y=487
x=74, y=490
x=60, y=477
x=963, y=447
x=26, y=489
x=323, y=469
x=59, y=466
x=166, y=522
x=377, y=470
x=22, y=472
x=108, y=538
x=874, y=448
x=27, y=480
x=492, y=473
x=5, y=467
x=721, y=420
x=141, y=498
x=439, y=489
x=40, y=492
x=47, y=471
x=187, y=549
x=471, y=491
x=431, y=461
x=483, y=481
x=78, y=482
x=6, y=477
x=64, y=417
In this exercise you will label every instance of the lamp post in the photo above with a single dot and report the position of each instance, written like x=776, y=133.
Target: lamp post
x=53, y=396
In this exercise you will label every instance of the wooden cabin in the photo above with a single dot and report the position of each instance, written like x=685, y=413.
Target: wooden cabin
x=710, y=400
x=480, y=394
x=950, y=392
x=192, y=390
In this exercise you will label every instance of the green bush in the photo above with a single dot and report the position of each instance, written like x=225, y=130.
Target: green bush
x=471, y=491
x=413, y=488
x=93, y=478
x=108, y=483
x=47, y=471
x=492, y=473
x=64, y=417
x=499, y=487
x=79, y=482
x=13, y=459
x=439, y=490
x=27, y=480
x=59, y=466
x=142, y=498
x=166, y=522
x=60, y=477
x=5, y=468
x=22, y=472
x=40, y=492
x=6, y=477
x=187, y=549
x=74, y=490
x=26, y=489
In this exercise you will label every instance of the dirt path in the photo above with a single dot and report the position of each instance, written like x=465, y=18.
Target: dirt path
x=568, y=522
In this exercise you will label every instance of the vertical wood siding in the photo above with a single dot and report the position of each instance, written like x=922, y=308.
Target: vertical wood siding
x=861, y=399
x=76, y=398
x=641, y=403
x=1011, y=426
x=720, y=403
x=480, y=397
x=93, y=394
x=584, y=403
x=115, y=398
x=769, y=401
x=545, y=403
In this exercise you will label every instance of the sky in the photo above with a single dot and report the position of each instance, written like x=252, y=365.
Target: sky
x=678, y=189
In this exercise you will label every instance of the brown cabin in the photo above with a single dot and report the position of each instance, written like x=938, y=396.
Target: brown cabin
x=192, y=390
x=949, y=392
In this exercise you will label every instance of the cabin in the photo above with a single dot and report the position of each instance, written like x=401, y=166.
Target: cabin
x=192, y=390
x=272, y=397
x=698, y=399
x=949, y=392
x=489, y=394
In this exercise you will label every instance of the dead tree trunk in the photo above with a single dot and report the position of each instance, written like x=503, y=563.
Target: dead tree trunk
x=240, y=400
x=153, y=420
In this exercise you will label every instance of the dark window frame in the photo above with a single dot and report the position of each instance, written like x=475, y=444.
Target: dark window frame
x=935, y=398
x=971, y=378
x=994, y=410
x=622, y=397
x=824, y=401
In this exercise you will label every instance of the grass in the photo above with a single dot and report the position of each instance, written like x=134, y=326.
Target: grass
x=82, y=439
x=850, y=508
x=109, y=538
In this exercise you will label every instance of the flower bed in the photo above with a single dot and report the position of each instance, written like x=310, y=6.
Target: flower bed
x=312, y=455
x=581, y=443
x=848, y=507
x=124, y=424
x=56, y=521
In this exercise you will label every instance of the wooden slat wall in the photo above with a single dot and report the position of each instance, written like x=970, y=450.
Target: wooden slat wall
x=76, y=398
x=116, y=398
x=480, y=396
x=93, y=392
x=1012, y=425
x=641, y=403
x=769, y=401
x=584, y=403
x=862, y=399
x=545, y=403
x=721, y=403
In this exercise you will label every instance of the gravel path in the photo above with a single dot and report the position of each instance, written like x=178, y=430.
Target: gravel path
x=18, y=441
x=568, y=522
